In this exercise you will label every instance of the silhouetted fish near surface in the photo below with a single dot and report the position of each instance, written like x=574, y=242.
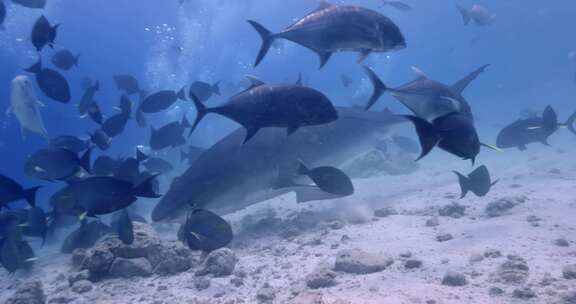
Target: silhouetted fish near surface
x=170, y=135
x=2, y=15
x=11, y=191
x=43, y=33
x=478, y=182
x=102, y=195
x=262, y=105
x=454, y=133
x=161, y=101
x=31, y=3
x=397, y=5
x=85, y=236
x=127, y=83
x=71, y=143
x=65, y=60
x=24, y=104
x=479, y=14
x=230, y=176
x=51, y=82
x=101, y=139
x=56, y=164
x=332, y=28
x=124, y=228
x=532, y=129
x=427, y=98
x=203, y=91
x=206, y=231
x=329, y=179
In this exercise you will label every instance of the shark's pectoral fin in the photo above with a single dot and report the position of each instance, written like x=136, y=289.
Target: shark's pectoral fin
x=312, y=193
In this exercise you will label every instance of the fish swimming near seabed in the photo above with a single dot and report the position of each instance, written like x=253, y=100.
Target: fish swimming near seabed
x=24, y=105
x=532, y=130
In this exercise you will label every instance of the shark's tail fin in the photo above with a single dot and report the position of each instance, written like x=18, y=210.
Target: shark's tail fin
x=267, y=39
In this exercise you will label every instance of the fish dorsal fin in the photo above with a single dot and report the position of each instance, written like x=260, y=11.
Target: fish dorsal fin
x=254, y=82
x=461, y=85
x=322, y=5
x=419, y=73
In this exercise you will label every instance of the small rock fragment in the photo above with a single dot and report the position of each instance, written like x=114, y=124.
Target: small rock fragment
x=453, y=210
x=219, y=263
x=359, y=262
x=444, y=237
x=523, y=293
x=321, y=278
x=82, y=286
x=432, y=222
x=127, y=268
x=413, y=264
x=561, y=242
x=569, y=272
x=514, y=271
x=455, y=279
x=266, y=294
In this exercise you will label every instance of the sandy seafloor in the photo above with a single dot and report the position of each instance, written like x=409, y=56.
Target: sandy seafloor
x=273, y=265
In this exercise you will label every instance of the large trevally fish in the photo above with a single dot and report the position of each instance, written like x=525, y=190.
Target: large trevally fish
x=24, y=104
x=427, y=98
x=230, y=175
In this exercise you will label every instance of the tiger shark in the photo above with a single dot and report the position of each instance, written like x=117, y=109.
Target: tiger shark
x=230, y=175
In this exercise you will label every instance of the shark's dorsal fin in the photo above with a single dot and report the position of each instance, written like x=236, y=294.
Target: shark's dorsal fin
x=461, y=85
x=322, y=5
x=419, y=73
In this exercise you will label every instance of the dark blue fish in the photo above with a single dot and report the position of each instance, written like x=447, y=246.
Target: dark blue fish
x=478, y=182
x=65, y=60
x=51, y=82
x=56, y=164
x=43, y=33
x=206, y=231
x=11, y=191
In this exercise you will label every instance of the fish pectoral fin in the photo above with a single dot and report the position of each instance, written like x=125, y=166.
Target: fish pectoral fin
x=363, y=55
x=455, y=103
x=250, y=132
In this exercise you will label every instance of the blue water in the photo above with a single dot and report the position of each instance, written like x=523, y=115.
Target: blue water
x=528, y=48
